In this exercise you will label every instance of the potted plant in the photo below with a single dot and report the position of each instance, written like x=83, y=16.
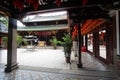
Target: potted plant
x=19, y=40
x=54, y=42
x=5, y=41
x=25, y=42
x=67, y=44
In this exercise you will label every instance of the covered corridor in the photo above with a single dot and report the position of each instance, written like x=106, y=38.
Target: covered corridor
x=93, y=24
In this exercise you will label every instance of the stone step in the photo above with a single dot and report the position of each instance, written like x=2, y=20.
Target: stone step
x=82, y=72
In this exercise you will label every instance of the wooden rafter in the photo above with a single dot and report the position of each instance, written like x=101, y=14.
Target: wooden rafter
x=92, y=25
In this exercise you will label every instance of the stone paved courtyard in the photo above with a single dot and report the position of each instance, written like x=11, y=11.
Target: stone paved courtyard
x=49, y=64
x=50, y=58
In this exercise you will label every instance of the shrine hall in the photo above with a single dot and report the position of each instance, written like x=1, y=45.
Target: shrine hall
x=93, y=24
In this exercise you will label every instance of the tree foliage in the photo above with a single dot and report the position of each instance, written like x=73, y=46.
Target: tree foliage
x=4, y=20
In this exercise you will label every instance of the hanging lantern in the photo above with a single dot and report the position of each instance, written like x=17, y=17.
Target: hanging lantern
x=75, y=33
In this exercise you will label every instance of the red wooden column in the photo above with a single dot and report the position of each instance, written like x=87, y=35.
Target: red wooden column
x=12, y=47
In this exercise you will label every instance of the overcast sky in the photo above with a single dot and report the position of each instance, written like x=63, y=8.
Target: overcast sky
x=19, y=24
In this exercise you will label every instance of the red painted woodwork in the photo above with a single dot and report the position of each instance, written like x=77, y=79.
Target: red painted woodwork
x=89, y=25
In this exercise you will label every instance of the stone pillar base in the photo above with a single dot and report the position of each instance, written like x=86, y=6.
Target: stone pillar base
x=11, y=68
x=79, y=65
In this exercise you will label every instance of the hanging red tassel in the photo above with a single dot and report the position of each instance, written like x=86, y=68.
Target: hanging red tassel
x=84, y=2
x=75, y=33
x=18, y=4
x=30, y=1
x=58, y=3
x=35, y=4
x=75, y=27
x=21, y=6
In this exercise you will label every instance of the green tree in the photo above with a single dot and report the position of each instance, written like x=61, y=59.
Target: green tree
x=5, y=40
x=4, y=20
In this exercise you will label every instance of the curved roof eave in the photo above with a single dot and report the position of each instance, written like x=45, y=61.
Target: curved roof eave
x=43, y=28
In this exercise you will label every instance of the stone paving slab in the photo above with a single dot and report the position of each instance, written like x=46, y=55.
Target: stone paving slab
x=48, y=67
x=51, y=58
x=109, y=74
x=36, y=75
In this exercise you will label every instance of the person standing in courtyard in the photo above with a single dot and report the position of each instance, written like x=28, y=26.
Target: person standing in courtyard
x=36, y=41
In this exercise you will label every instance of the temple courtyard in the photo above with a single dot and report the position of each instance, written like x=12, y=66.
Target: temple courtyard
x=46, y=63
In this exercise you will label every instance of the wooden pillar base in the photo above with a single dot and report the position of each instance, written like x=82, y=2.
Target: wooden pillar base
x=11, y=68
x=79, y=65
